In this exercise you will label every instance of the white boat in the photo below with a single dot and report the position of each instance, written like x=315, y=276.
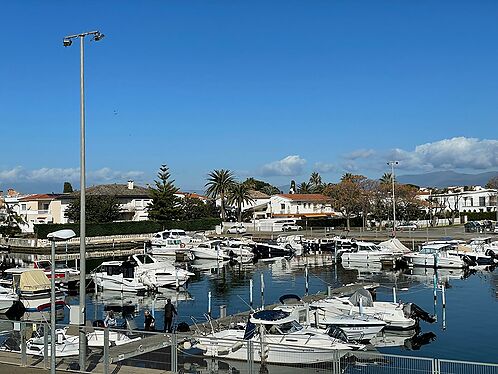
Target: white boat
x=398, y=316
x=33, y=288
x=65, y=346
x=154, y=273
x=160, y=238
x=366, y=252
x=63, y=273
x=295, y=241
x=276, y=338
x=166, y=247
x=437, y=256
x=210, y=250
x=237, y=250
x=356, y=327
x=481, y=251
x=7, y=299
x=118, y=276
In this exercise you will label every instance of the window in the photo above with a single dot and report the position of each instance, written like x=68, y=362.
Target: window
x=471, y=201
x=23, y=206
x=482, y=201
x=45, y=206
x=282, y=206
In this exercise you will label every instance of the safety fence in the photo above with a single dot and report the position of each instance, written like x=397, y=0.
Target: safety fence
x=28, y=344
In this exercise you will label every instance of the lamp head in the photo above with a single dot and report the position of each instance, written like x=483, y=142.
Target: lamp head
x=67, y=42
x=61, y=235
x=98, y=36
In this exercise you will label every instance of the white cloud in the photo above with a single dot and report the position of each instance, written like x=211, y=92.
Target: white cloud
x=459, y=153
x=19, y=174
x=360, y=153
x=288, y=166
x=323, y=167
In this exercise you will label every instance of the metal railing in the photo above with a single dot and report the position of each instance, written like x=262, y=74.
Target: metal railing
x=26, y=344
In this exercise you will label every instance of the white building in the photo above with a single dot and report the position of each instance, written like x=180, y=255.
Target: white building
x=474, y=199
x=300, y=205
x=133, y=200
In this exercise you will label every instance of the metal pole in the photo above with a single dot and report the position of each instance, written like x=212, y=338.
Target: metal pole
x=394, y=200
x=250, y=292
x=209, y=303
x=52, y=310
x=262, y=291
x=106, y=351
x=82, y=317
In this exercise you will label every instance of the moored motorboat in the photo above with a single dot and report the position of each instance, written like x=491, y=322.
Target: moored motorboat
x=276, y=337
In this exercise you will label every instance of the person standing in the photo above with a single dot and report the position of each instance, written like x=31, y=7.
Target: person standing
x=110, y=320
x=149, y=321
x=169, y=311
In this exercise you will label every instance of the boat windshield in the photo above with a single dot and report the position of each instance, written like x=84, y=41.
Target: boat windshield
x=286, y=328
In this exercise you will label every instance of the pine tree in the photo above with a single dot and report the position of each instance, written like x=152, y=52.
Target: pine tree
x=165, y=205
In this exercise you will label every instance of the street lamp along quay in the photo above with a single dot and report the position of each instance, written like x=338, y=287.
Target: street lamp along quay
x=392, y=163
x=61, y=235
x=67, y=41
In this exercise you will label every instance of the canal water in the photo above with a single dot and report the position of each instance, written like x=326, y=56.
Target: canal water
x=468, y=331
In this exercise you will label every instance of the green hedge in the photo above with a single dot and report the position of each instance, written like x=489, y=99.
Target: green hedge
x=331, y=222
x=479, y=216
x=128, y=227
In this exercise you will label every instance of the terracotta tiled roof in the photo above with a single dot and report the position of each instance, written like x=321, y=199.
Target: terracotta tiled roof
x=39, y=197
x=118, y=190
x=258, y=194
x=305, y=197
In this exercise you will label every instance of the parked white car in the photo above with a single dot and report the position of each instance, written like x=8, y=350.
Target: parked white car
x=406, y=226
x=291, y=227
x=237, y=229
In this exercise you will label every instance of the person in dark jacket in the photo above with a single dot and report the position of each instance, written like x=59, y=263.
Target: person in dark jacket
x=169, y=311
x=149, y=321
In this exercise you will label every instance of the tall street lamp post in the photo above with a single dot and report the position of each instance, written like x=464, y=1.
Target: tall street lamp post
x=68, y=40
x=60, y=235
x=392, y=163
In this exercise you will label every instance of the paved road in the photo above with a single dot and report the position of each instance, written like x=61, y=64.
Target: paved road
x=419, y=235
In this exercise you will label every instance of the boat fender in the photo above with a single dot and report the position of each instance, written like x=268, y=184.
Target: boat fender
x=182, y=245
x=187, y=345
x=237, y=346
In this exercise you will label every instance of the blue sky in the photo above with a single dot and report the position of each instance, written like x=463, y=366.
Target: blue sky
x=271, y=89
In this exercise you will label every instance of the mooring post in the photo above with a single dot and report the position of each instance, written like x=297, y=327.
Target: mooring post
x=250, y=292
x=394, y=295
x=434, y=281
x=443, y=300
x=223, y=311
x=209, y=303
x=262, y=291
x=306, y=278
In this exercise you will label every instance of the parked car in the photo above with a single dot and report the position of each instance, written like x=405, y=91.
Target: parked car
x=406, y=226
x=472, y=226
x=237, y=229
x=291, y=227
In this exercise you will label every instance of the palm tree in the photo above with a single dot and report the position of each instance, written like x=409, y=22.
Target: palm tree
x=347, y=176
x=239, y=194
x=304, y=188
x=387, y=178
x=219, y=184
x=316, y=182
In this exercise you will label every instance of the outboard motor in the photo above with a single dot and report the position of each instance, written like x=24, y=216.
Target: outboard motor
x=468, y=261
x=337, y=333
x=491, y=254
x=412, y=310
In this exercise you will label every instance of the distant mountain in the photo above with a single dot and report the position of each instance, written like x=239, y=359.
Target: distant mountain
x=443, y=179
